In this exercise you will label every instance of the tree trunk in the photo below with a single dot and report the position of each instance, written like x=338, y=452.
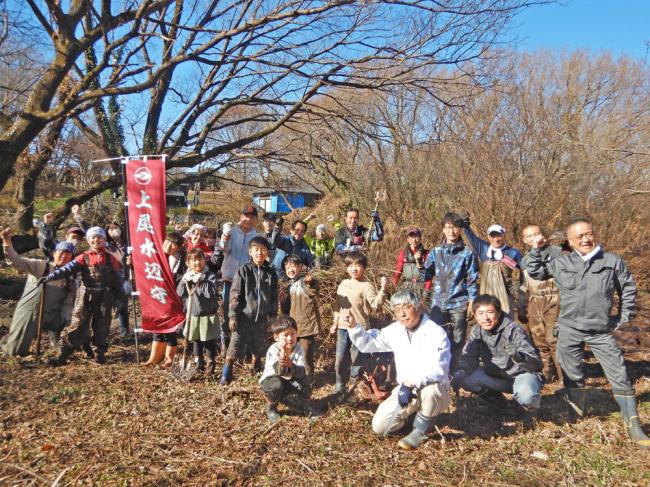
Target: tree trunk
x=26, y=184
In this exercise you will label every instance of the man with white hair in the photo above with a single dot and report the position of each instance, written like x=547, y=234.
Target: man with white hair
x=422, y=355
x=101, y=283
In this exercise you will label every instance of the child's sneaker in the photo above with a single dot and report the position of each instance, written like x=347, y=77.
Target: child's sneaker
x=272, y=413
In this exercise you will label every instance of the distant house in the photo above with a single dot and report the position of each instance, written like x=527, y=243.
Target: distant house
x=177, y=195
x=283, y=200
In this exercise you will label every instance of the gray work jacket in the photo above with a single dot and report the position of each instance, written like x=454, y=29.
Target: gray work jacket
x=494, y=349
x=587, y=289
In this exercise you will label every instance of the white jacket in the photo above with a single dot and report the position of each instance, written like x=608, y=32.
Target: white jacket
x=235, y=251
x=421, y=356
x=273, y=356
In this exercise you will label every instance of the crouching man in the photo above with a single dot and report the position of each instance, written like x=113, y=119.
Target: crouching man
x=508, y=360
x=422, y=355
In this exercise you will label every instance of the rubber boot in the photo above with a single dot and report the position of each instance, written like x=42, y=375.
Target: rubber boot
x=88, y=349
x=62, y=358
x=577, y=398
x=627, y=403
x=55, y=343
x=272, y=413
x=200, y=363
x=170, y=353
x=226, y=375
x=209, y=368
x=421, y=426
x=257, y=364
x=157, y=354
x=493, y=399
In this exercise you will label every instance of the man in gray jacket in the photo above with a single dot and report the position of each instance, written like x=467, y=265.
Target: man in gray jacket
x=588, y=279
x=499, y=357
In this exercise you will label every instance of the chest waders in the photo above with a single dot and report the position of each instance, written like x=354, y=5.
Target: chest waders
x=91, y=317
x=23, y=324
x=496, y=280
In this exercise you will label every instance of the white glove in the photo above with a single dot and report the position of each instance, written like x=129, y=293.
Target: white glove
x=227, y=228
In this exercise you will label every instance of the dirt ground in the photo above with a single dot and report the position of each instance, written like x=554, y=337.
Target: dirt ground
x=117, y=424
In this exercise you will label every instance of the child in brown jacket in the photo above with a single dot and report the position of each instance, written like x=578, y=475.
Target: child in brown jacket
x=298, y=300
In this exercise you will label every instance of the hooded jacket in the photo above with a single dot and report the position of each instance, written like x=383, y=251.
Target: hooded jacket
x=495, y=349
x=254, y=293
x=453, y=272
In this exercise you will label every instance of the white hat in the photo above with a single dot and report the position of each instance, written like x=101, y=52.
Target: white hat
x=496, y=228
x=92, y=231
x=321, y=227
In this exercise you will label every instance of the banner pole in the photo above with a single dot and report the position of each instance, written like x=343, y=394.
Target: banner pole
x=124, y=161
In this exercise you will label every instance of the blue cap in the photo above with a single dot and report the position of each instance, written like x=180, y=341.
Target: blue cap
x=64, y=247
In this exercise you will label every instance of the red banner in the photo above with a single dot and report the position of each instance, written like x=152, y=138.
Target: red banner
x=162, y=310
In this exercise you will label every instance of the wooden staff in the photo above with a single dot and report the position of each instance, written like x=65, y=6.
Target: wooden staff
x=39, y=322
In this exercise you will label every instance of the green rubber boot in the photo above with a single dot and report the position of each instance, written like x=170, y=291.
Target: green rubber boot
x=627, y=403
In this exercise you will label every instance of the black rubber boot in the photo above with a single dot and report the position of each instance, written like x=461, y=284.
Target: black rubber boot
x=577, y=399
x=494, y=399
x=209, y=368
x=62, y=358
x=627, y=403
x=89, y=351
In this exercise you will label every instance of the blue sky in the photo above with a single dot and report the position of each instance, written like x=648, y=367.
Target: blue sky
x=620, y=26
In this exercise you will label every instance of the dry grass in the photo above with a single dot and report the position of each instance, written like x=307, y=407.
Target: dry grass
x=118, y=424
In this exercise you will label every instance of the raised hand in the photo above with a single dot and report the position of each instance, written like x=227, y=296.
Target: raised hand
x=5, y=235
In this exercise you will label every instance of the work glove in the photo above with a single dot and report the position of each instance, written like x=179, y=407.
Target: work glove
x=466, y=220
x=374, y=215
x=404, y=395
x=227, y=228
x=518, y=357
x=279, y=221
x=457, y=379
x=41, y=281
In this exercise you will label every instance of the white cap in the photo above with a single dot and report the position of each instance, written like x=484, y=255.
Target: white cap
x=92, y=231
x=321, y=227
x=496, y=228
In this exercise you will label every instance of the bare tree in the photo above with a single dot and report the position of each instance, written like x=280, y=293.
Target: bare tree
x=201, y=79
x=556, y=135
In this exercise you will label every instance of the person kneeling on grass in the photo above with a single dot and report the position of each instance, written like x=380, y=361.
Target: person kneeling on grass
x=284, y=372
x=422, y=355
x=509, y=362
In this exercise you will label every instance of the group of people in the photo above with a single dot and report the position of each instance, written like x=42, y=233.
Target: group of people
x=534, y=314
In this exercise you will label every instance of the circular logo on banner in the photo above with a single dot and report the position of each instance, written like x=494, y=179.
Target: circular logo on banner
x=142, y=175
